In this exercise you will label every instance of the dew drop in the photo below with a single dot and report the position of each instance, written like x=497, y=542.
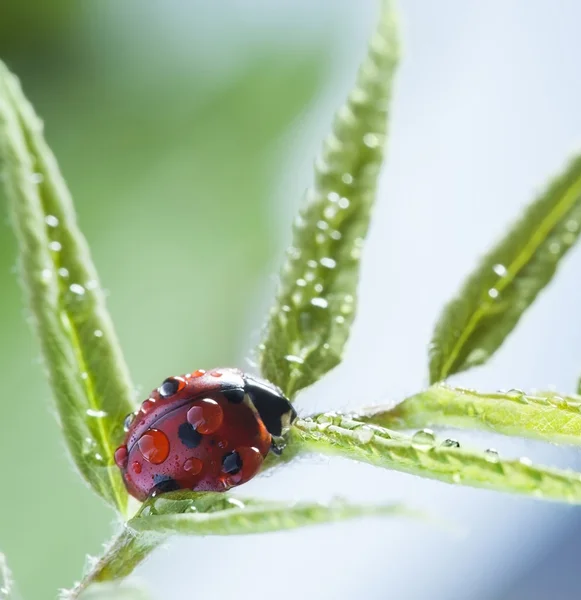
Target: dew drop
x=285, y=308
x=328, y=263
x=371, y=140
x=319, y=302
x=128, y=421
x=77, y=289
x=193, y=466
x=301, y=282
x=154, y=446
x=37, y=178
x=572, y=226
x=84, y=375
x=493, y=293
x=491, y=455
x=97, y=414
x=235, y=502
x=456, y=477
x=64, y=273
x=515, y=393
x=340, y=319
x=568, y=239
x=120, y=457
x=333, y=197
x=147, y=406
x=322, y=225
x=335, y=235
x=312, y=264
x=527, y=462
x=344, y=203
x=55, y=246
x=450, y=443
x=51, y=221
x=92, y=284
x=423, y=439
x=206, y=416
x=347, y=178
x=318, y=287
x=294, y=359
x=500, y=270
x=330, y=212
x=364, y=434
x=46, y=275
x=98, y=333
x=320, y=238
x=554, y=247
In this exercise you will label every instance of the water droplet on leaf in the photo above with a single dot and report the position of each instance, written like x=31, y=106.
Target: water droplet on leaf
x=423, y=439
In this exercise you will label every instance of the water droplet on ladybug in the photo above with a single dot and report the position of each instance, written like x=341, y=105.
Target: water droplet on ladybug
x=250, y=461
x=136, y=466
x=171, y=386
x=206, y=416
x=193, y=466
x=147, y=406
x=216, y=373
x=120, y=457
x=154, y=446
x=198, y=373
x=128, y=421
x=231, y=463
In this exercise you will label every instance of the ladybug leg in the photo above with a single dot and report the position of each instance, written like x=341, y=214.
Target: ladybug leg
x=277, y=446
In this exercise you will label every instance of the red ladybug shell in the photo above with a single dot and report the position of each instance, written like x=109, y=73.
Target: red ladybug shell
x=194, y=432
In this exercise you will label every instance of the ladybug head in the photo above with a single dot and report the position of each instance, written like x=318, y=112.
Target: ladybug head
x=274, y=409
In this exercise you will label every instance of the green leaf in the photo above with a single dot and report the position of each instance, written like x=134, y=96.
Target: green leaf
x=315, y=306
x=507, y=280
x=422, y=455
x=6, y=585
x=85, y=365
x=546, y=416
x=123, y=590
x=119, y=560
x=217, y=514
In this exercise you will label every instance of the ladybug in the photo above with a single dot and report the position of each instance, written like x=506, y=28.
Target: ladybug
x=204, y=431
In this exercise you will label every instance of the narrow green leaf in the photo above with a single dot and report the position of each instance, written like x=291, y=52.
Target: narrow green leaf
x=123, y=554
x=507, y=280
x=123, y=590
x=545, y=416
x=315, y=306
x=217, y=514
x=422, y=455
x=6, y=585
x=85, y=365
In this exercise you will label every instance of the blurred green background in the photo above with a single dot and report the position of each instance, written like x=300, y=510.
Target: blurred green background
x=172, y=140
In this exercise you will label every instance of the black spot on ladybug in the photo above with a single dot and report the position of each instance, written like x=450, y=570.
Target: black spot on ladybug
x=164, y=484
x=235, y=395
x=189, y=437
x=169, y=387
x=231, y=463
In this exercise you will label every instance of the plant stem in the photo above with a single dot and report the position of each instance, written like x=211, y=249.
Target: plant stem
x=544, y=416
x=121, y=557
